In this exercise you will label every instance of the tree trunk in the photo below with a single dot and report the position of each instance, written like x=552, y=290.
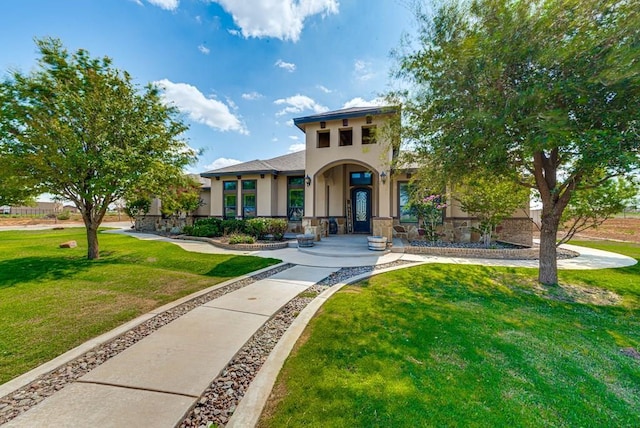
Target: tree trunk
x=93, y=250
x=548, y=268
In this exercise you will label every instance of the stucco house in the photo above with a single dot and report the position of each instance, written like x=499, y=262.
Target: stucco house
x=341, y=183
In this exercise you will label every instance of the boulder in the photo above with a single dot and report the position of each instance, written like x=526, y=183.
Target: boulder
x=69, y=244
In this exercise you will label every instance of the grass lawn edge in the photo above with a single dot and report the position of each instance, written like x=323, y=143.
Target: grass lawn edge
x=28, y=377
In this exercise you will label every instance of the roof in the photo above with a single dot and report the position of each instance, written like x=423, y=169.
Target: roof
x=347, y=113
x=286, y=164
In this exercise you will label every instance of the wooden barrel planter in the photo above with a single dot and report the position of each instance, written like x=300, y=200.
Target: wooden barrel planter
x=377, y=243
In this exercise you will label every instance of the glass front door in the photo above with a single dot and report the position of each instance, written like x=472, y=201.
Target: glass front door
x=361, y=202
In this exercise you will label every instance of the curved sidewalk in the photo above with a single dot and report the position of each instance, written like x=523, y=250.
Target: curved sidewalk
x=157, y=380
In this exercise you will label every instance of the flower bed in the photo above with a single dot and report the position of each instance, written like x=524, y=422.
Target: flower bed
x=220, y=243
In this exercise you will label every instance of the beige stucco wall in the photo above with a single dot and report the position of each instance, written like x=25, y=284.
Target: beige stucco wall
x=205, y=208
x=330, y=167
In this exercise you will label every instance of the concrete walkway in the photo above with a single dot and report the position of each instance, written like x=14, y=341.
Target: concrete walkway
x=157, y=380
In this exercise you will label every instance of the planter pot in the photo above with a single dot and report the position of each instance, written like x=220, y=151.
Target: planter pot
x=305, y=240
x=377, y=243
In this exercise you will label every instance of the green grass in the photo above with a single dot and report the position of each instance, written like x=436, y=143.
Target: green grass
x=53, y=299
x=451, y=345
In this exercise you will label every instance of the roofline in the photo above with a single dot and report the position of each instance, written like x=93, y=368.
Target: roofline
x=265, y=171
x=223, y=174
x=325, y=117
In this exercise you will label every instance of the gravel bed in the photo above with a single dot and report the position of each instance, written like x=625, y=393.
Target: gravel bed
x=479, y=245
x=44, y=386
x=220, y=399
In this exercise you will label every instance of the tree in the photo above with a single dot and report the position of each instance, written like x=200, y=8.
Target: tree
x=83, y=131
x=491, y=199
x=546, y=92
x=181, y=197
x=591, y=207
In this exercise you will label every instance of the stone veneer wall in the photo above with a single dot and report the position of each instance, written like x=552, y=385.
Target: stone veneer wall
x=156, y=223
x=383, y=226
x=513, y=230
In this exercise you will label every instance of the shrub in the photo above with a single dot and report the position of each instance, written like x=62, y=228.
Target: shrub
x=277, y=227
x=65, y=215
x=241, y=239
x=204, y=230
x=233, y=226
x=257, y=227
x=212, y=226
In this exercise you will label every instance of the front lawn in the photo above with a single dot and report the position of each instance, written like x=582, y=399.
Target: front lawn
x=53, y=299
x=452, y=345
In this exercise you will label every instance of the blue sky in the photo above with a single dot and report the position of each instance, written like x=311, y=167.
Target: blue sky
x=239, y=70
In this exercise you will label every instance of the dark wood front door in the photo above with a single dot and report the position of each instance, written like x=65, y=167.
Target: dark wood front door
x=361, y=202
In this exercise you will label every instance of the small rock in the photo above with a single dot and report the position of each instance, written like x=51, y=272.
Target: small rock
x=69, y=244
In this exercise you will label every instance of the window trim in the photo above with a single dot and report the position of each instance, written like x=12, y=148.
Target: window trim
x=294, y=187
x=225, y=193
x=345, y=130
x=323, y=132
x=371, y=138
x=352, y=184
x=253, y=192
x=414, y=218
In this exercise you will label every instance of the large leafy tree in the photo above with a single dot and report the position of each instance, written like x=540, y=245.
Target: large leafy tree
x=546, y=92
x=83, y=131
x=491, y=199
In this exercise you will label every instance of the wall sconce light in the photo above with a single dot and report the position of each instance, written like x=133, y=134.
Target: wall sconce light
x=217, y=178
x=383, y=177
x=323, y=125
x=345, y=122
x=261, y=175
x=307, y=180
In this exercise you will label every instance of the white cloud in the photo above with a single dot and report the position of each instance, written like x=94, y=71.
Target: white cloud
x=289, y=122
x=296, y=148
x=205, y=50
x=274, y=139
x=360, y=102
x=324, y=89
x=251, y=96
x=289, y=66
x=362, y=70
x=299, y=103
x=282, y=19
x=165, y=4
x=221, y=163
x=294, y=137
x=198, y=19
x=234, y=32
x=209, y=111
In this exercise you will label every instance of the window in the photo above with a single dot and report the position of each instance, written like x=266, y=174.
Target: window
x=249, y=198
x=406, y=214
x=346, y=137
x=230, y=198
x=324, y=139
x=368, y=135
x=295, y=198
x=360, y=179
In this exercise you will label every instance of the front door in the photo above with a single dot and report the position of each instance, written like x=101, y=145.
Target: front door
x=361, y=200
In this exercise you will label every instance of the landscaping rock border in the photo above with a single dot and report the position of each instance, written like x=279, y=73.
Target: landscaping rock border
x=22, y=399
x=486, y=253
x=220, y=399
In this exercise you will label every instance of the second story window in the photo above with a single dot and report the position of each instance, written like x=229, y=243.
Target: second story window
x=324, y=139
x=368, y=135
x=346, y=137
